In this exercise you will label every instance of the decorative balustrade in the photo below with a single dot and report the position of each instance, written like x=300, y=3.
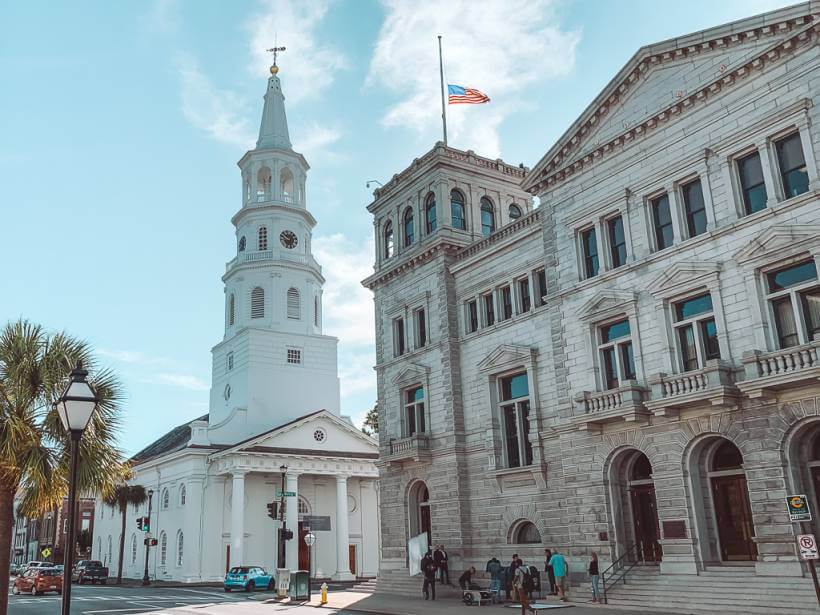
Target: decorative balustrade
x=414, y=447
x=770, y=371
x=624, y=403
x=714, y=384
x=269, y=255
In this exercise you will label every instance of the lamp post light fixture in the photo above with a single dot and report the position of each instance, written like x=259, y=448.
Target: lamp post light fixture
x=145, y=579
x=74, y=407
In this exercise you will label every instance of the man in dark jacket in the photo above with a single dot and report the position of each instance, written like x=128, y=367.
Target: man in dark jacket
x=440, y=559
x=508, y=583
x=428, y=572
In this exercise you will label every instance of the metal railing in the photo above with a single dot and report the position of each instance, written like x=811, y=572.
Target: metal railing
x=634, y=555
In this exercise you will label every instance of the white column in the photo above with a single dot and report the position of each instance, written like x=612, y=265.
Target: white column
x=342, y=532
x=292, y=521
x=238, y=519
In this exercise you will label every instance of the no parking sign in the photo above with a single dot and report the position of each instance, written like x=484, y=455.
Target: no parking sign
x=808, y=546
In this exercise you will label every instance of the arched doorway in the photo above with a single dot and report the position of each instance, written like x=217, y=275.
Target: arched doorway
x=419, y=511
x=804, y=466
x=634, y=508
x=721, y=502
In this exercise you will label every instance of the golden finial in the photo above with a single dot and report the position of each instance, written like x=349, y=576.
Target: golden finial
x=275, y=50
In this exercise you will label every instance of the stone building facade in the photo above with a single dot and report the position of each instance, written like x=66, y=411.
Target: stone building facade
x=632, y=366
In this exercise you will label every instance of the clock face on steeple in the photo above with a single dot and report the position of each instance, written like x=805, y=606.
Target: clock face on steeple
x=288, y=239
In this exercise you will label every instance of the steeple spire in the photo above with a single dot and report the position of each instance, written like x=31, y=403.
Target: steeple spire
x=273, y=132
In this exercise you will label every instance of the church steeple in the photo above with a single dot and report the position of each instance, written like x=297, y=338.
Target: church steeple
x=273, y=131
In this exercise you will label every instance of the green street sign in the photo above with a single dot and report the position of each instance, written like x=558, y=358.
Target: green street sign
x=798, y=506
x=287, y=494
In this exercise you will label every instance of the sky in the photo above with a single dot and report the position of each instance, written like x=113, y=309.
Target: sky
x=121, y=124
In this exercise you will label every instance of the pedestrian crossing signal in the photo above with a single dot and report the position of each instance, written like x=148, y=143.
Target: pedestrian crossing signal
x=272, y=512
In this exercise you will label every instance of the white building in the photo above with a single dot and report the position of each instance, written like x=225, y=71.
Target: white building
x=274, y=402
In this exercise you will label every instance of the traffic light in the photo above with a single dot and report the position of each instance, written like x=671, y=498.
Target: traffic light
x=150, y=542
x=139, y=523
x=272, y=510
x=287, y=534
x=146, y=524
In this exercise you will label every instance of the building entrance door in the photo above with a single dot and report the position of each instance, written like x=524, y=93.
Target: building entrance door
x=351, y=559
x=645, y=514
x=304, y=555
x=734, y=518
x=424, y=521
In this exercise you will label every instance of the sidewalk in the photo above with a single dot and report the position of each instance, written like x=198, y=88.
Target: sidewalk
x=385, y=604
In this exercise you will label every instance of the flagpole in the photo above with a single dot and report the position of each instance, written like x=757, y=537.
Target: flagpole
x=441, y=75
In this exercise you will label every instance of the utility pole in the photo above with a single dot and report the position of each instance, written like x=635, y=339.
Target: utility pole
x=284, y=470
x=145, y=579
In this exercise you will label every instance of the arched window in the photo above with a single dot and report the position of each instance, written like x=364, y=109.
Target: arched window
x=727, y=457
x=409, y=229
x=457, y=209
x=99, y=547
x=166, y=499
x=179, y=548
x=515, y=212
x=182, y=495
x=263, y=182
x=527, y=534
x=257, y=303
x=316, y=310
x=487, y=216
x=110, y=551
x=430, y=213
x=641, y=468
x=294, y=304
x=163, y=548
x=262, y=238
x=388, y=240
x=286, y=184
x=242, y=243
x=133, y=549
x=231, y=310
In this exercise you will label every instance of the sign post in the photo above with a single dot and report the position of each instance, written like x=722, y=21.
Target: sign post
x=807, y=544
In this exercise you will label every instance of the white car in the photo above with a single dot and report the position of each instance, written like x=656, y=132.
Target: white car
x=36, y=564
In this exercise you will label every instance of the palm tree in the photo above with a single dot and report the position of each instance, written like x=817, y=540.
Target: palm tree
x=34, y=448
x=122, y=497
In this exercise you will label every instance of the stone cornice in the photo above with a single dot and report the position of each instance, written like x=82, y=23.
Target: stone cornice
x=532, y=218
x=562, y=160
x=427, y=253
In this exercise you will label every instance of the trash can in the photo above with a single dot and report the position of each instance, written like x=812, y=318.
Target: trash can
x=299, y=585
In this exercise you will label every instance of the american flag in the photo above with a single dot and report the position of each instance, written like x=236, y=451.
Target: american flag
x=459, y=95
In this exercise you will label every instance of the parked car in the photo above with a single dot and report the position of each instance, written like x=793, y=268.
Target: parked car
x=248, y=578
x=37, y=580
x=91, y=570
x=15, y=569
x=37, y=564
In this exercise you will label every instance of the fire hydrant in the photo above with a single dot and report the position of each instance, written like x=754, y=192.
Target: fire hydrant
x=324, y=593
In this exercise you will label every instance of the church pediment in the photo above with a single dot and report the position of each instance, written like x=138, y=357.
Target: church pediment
x=682, y=276
x=506, y=356
x=778, y=242
x=606, y=303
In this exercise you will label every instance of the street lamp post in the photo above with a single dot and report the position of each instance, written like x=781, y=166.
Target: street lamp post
x=74, y=407
x=145, y=579
x=284, y=470
x=310, y=540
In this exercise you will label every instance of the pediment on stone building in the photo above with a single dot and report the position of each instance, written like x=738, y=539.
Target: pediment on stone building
x=506, y=356
x=682, y=275
x=410, y=374
x=317, y=433
x=606, y=303
x=661, y=81
x=778, y=242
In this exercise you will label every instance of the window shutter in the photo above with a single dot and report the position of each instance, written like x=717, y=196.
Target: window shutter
x=231, y=311
x=294, y=307
x=257, y=303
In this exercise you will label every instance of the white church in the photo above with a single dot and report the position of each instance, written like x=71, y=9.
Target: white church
x=274, y=405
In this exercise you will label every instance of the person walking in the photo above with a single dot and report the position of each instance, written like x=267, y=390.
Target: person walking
x=440, y=559
x=594, y=577
x=511, y=575
x=560, y=569
x=524, y=584
x=549, y=571
x=428, y=571
x=496, y=570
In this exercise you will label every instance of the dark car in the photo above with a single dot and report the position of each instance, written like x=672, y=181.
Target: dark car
x=89, y=570
x=36, y=581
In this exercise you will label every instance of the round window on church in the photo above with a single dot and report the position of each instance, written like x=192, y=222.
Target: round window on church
x=319, y=435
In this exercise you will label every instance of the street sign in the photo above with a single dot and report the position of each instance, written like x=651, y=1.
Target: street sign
x=316, y=523
x=808, y=546
x=798, y=507
x=287, y=494
x=46, y=552
x=310, y=539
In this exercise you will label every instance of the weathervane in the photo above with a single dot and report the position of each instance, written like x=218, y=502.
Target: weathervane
x=275, y=50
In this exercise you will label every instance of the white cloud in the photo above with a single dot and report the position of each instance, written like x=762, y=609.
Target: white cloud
x=135, y=357
x=164, y=16
x=503, y=48
x=315, y=141
x=309, y=64
x=183, y=381
x=220, y=113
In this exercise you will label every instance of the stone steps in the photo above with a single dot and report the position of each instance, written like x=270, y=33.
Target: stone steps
x=730, y=589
